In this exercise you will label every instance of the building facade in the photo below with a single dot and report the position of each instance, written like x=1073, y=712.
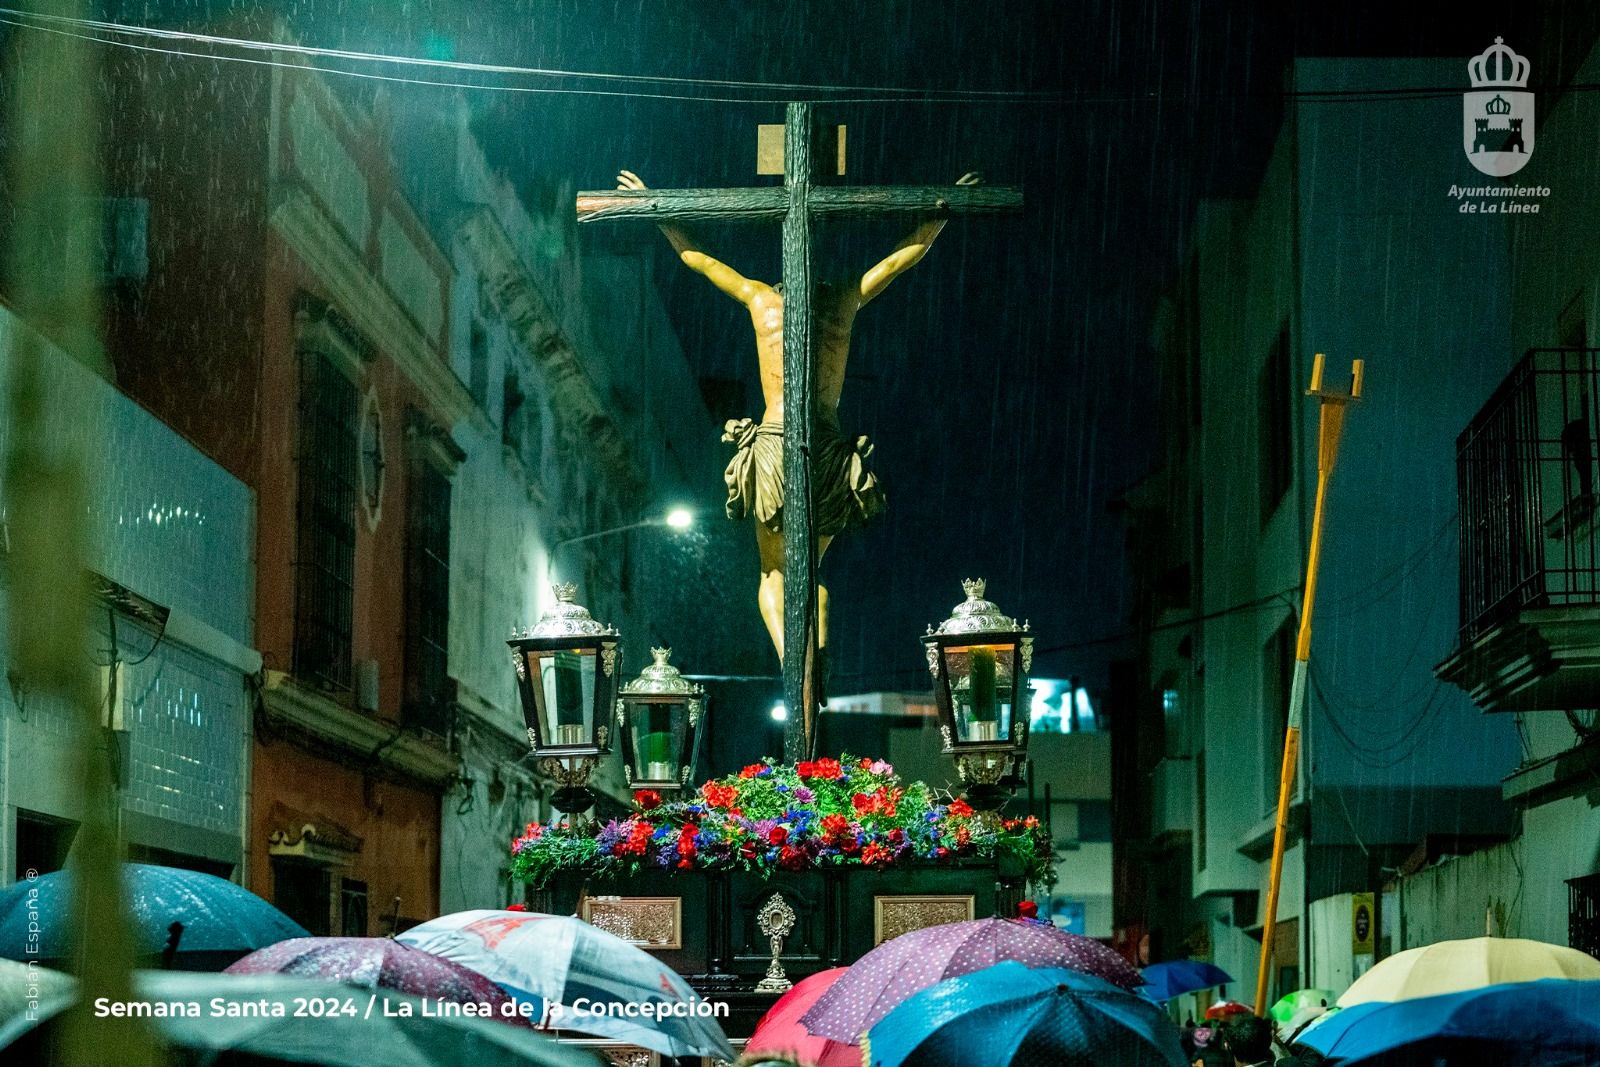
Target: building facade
x=1360, y=253
x=294, y=324
x=169, y=534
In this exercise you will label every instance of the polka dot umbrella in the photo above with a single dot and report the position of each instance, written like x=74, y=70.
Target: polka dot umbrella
x=384, y=963
x=896, y=969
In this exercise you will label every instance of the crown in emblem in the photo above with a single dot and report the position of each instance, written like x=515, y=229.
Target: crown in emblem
x=1499, y=66
x=1498, y=106
x=973, y=587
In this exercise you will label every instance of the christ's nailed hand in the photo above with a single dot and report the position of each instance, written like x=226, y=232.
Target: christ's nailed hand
x=629, y=180
x=971, y=177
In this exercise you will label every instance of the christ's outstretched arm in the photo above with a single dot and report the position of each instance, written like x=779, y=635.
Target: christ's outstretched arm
x=716, y=272
x=907, y=253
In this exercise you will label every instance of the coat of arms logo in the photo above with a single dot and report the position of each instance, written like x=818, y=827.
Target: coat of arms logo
x=1497, y=115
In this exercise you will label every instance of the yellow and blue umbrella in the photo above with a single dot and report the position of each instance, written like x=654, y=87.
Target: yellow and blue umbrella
x=1009, y=1014
x=1551, y=1023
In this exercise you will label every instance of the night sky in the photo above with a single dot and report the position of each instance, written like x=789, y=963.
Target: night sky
x=1006, y=381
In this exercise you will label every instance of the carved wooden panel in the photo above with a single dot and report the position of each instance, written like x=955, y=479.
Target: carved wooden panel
x=652, y=923
x=896, y=915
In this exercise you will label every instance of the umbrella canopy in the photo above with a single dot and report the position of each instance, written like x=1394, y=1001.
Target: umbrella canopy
x=1455, y=966
x=1552, y=1023
x=382, y=962
x=1294, y=1010
x=1012, y=1014
x=22, y=985
x=780, y=1033
x=256, y=1014
x=911, y=962
x=221, y=921
x=1225, y=1009
x=1163, y=981
x=580, y=970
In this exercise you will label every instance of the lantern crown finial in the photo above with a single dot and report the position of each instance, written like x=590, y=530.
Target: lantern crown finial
x=975, y=614
x=661, y=678
x=661, y=656
x=565, y=592
x=973, y=587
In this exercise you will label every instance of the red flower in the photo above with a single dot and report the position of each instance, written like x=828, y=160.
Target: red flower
x=875, y=855
x=1031, y=821
x=835, y=825
x=963, y=837
x=778, y=835
x=806, y=769
x=752, y=770
x=516, y=907
x=791, y=858
x=865, y=764
x=897, y=836
x=889, y=799
x=828, y=768
x=646, y=799
x=864, y=804
x=719, y=796
x=1010, y=824
x=748, y=850
x=849, y=846
x=686, y=849
x=960, y=808
x=1027, y=910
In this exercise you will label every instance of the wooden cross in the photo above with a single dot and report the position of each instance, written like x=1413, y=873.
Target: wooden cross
x=798, y=203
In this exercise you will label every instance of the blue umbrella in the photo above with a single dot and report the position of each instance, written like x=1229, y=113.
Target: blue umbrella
x=1163, y=981
x=221, y=921
x=1553, y=1023
x=1012, y=1014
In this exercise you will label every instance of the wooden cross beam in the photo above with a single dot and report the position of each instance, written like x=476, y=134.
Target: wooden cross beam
x=797, y=203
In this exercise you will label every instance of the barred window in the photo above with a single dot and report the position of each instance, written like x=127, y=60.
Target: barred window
x=1583, y=914
x=325, y=556
x=428, y=597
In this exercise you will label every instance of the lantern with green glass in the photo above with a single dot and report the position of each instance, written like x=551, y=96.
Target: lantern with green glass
x=979, y=658
x=567, y=674
x=658, y=719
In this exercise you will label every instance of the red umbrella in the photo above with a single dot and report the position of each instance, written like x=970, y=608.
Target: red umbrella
x=1223, y=1009
x=780, y=1033
x=912, y=962
x=380, y=962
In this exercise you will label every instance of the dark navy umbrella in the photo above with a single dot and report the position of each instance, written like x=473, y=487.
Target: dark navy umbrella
x=1163, y=981
x=194, y=920
x=1010, y=1015
x=1553, y=1023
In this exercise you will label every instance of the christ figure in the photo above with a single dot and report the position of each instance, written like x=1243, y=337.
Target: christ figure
x=844, y=491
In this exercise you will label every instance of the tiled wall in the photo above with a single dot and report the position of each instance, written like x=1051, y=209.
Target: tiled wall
x=165, y=521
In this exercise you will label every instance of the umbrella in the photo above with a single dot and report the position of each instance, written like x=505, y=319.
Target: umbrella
x=1552, y=1023
x=1294, y=1010
x=1225, y=1009
x=382, y=962
x=25, y=984
x=220, y=921
x=582, y=971
x=1012, y=1014
x=1163, y=981
x=900, y=967
x=1454, y=966
x=269, y=1015
x=779, y=1033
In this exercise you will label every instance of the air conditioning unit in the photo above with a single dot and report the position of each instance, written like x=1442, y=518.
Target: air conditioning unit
x=367, y=685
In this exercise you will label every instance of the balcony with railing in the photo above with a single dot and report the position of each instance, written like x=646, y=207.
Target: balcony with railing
x=1529, y=557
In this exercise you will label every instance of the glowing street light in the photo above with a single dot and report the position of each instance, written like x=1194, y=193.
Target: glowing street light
x=780, y=713
x=680, y=518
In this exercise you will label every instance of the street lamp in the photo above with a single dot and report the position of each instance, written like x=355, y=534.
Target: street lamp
x=567, y=675
x=658, y=715
x=979, y=658
x=677, y=519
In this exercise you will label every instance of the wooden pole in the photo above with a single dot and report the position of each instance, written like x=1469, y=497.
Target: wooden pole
x=1330, y=427
x=799, y=373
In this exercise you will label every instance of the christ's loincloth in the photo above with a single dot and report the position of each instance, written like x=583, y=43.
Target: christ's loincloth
x=844, y=492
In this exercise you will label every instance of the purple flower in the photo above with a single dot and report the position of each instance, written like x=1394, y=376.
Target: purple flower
x=804, y=795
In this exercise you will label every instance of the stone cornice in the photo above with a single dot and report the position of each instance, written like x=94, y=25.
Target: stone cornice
x=354, y=735
x=360, y=295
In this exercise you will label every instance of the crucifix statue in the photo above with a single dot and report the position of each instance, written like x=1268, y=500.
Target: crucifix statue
x=795, y=472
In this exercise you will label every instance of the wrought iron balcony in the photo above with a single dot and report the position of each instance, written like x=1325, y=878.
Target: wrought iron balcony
x=1530, y=563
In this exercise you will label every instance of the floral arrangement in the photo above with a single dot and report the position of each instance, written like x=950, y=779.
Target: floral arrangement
x=816, y=813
